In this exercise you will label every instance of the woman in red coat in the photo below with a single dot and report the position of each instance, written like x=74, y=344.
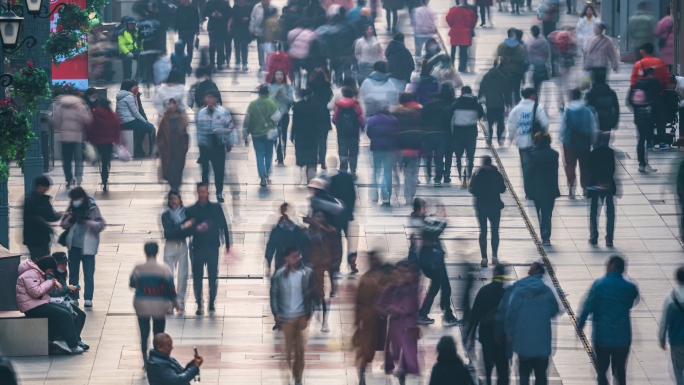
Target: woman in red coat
x=103, y=132
x=462, y=21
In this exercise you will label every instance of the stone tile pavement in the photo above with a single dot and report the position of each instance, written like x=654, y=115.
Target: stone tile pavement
x=237, y=341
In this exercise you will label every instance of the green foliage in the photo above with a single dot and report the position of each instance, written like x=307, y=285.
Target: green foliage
x=31, y=85
x=63, y=88
x=73, y=18
x=63, y=45
x=15, y=134
x=96, y=6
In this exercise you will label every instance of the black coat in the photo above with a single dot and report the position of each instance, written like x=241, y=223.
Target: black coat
x=165, y=370
x=604, y=100
x=141, y=110
x=541, y=177
x=485, y=305
x=450, y=373
x=38, y=212
x=342, y=187
x=187, y=20
x=399, y=61
x=280, y=238
x=172, y=230
x=487, y=185
x=217, y=24
x=495, y=89
x=309, y=122
x=602, y=169
x=240, y=25
x=212, y=214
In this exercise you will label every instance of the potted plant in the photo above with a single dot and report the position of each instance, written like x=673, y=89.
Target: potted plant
x=15, y=134
x=31, y=85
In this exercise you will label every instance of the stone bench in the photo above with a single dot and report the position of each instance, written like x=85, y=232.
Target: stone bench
x=22, y=336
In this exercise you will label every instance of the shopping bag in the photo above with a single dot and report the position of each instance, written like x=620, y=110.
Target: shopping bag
x=89, y=153
x=161, y=68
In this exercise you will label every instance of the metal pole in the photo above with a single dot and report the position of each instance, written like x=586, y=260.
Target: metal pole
x=4, y=198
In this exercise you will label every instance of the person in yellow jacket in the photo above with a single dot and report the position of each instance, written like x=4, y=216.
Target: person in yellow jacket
x=129, y=46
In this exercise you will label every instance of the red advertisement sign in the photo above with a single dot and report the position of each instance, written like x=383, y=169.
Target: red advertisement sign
x=74, y=70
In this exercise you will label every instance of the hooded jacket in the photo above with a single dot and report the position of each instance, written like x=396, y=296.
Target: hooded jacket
x=93, y=229
x=38, y=212
x=410, y=137
x=450, y=371
x=604, y=100
x=399, y=60
x=541, y=178
x=165, y=370
x=513, y=56
x=32, y=288
x=126, y=107
x=105, y=127
x=424, y=87
x=128, y=41
x=377, y=90
x=520, y=122
x=672, y=319
x=528, y=313
x=382, y=131
x=495, y=89
x=487, y=185
x=599, y=52
x=70, y=117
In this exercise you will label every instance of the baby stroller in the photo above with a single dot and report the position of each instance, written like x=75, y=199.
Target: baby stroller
x=671, y=116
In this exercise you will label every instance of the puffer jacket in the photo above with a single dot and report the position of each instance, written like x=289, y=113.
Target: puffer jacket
x=220, y=119
x=382, y=130
x=128, y=41
x=378, y=89
x=538, y=51
x=640, y=29
x=665, y=30
x=126, y=107
x=599, y=52
x=585, y=29
x=410, y=137
x=256, y=21
x=300, y=39
x=32, y=287
x=425, y=19
x=166, y=92
x=467, y=112
x=424, y=87
x=70, y=117
x=399, y=60
x=165, y=370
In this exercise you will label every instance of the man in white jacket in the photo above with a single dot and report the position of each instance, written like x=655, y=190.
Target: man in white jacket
x=424, y=20
x=256, y=28
x=520, y=124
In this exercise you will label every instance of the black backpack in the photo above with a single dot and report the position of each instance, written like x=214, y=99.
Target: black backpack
x=347, y=123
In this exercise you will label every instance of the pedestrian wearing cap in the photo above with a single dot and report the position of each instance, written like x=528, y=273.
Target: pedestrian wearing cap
x=261, y=122
x=62, y=295
x=129, y=47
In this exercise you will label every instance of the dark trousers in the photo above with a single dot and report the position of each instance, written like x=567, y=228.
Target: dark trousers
x=158, y=325
x=594, y=213
x=127, y=64
x=216, y=155
x=681, y=121
x=76, y=257
x=494, y=355
x=483, y=11
x=462, y=57
x=39, y=251
x=568, y=3
x=571, y=157
x=188, y=40
x=434, y=146
x=537, y=364
x=525, y=154
x=616, y=358
x=438, y=282
x=548, y=27
x=495, y=115
x=322, y=147
x=60, y=322
x=645, y=135
x=494, y=217
x=140, y=129
x=217, y=48
x=544, y=209
x=105, y=151
x=241, y=47
x=281, y=143
x=388, y=14
x=514, y=81
x=72, y=152
x=79, y=321
x=466, y=142
x=200, y=258
x=348, y=151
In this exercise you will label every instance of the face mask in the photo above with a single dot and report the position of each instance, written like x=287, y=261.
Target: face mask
x=76, y=203
x=60, y=270
x=93, y=100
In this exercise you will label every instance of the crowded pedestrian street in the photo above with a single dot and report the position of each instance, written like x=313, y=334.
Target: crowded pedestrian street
x=240, y=342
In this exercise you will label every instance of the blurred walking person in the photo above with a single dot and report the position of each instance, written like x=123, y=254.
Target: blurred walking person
x=341, y=187
x=308, y=121
x=523, y=122
x=640, y=29
x=188, y=25
x=462, y=21
x=435, y=118
x=399, y=303
x=602, y=188
x=541, y=182
x=349, y=120
x=664, y=31
x=215, y=128
x=382, y=131
x=564, y=47
x=642, y=98
x=409, y=142
x=425, y=85
x=219, y=13
x=242, y=11
x=425, y=26
x=37, y=215
x=261, y=121
x=605, y=102
x=173, y=144
x=70, y=117
x=256, y=28
x=487, y=185
x=585, y=26
x=483, y=315
x=399, y=61
x=513, y=57
x=210, y=229
x=283, y=95
x=539, y=57
x=672, y=327
x=176, y=229
x=599, y=52
x=609, y=302
x=285, y=233
x=104, y=132
x=484, y=7
x=495, y=91
x=449, y=368
x=371, y=326
x=528, y=312
x=154, y=293
x=292, y=298
x=367, y=51
x=577, y=133
x=467, y=112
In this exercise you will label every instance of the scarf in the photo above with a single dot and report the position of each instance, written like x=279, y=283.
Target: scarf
x=178, y=215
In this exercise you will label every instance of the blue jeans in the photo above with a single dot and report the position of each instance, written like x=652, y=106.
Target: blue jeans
x=382, y=164
x=525, y=154
x=75, y=258
x=140, y=129
x=420, y=43
x=60, y=322
x=263, y=148
x=72, y=151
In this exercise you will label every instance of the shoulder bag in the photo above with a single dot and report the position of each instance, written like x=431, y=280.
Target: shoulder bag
x=535, y=127
x=272, y=132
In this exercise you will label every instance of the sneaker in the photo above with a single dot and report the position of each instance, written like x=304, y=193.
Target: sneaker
x=664, y=146
x=647, y=168
x=263, y=182
x=593, y=241
x=425, y=320
x=447, y=180
x=199, y=311
x=244, y=67
x=77, y=350
x=219, y=197
x=333, y=294
x=609, y=243
x=438, y=184
x=484, y=262
x=212, y=307
x=61, y=346
x=83, y=345
x=88, y=303
x=325, y=328
x=74, y=302
x=546, y=243
x=450, y=320
x=495, y=261
x=237, y=67
x=239, y=219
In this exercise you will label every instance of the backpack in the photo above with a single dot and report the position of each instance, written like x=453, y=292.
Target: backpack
x=347, y=123
x=576, y=122
x=639, y=97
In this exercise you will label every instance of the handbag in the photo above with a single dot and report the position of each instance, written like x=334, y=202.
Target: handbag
x=62, y=240
x=89, y=153
x=536, y=127
x=272, y=133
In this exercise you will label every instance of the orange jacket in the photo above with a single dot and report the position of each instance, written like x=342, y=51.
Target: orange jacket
x=648, y=61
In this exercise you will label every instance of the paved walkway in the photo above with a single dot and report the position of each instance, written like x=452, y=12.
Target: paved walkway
x=237, y=341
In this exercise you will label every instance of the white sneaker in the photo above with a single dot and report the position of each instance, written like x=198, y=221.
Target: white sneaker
x=325, y=328
x=647, y=168
x=74, y=302
x=88, y=303
x=62, y=346
x=495, y=261
x=77, y=350
x=239, y=219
